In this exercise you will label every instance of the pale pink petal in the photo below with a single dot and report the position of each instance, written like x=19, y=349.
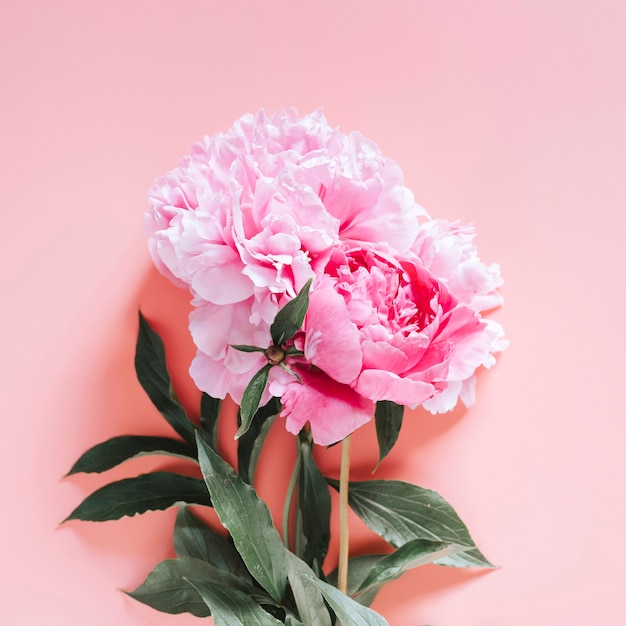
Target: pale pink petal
x=222, y=284
x=210, y=327
x=497, y=340
x=445, y=400
x=468, y=391
x=214, y=327
x=212, y=377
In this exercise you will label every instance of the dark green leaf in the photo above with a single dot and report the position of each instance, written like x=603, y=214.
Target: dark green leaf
x=152, y=373
x=193, y=538
x=359, y=568
x=148, y=492
x=412, y=554
x=166, y=588
x=313, y=511
x=230, y=607
x=468, y=558
x=368, y=573
x=250, y=444
x=248, y=520
x=350, y=612
x=289, y=319
x=110, y=453
x=244, y=348
x=400, y=512
x=209, y=418
x=388, y=422
x=251, y=399
x=309, y=600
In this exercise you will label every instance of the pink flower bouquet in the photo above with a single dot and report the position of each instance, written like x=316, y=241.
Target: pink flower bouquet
x=325, y=296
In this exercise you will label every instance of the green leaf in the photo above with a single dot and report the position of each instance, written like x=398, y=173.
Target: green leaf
x=248, y=520
x=209, y=418
x=368, y=573
x=412, y=554
x=193, y=538
x=350, y=612
x=153, y=376
x=388, y=418
x=312, y=533
x=289, y=319
x=250, y=444
x=110, y=453
x=148, y=492
x=400, y=512
x=359, y=568
x=167, y=590
x=252, y=398
x=244, y=348
x=230, y=607
x=309, y=600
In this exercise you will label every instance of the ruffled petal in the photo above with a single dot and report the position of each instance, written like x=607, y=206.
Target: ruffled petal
x=333, y=410
x=213, y=378
x=332, y=340
x=384, y=385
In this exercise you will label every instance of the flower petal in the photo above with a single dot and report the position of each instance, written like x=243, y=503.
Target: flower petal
x=333, y=410
x=332, y=340
x=383, y=385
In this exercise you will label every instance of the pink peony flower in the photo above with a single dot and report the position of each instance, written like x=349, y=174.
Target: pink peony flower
x=259, y=208
x=251, y=215
x=379, y=327
x=446, y=249
x=396, y=302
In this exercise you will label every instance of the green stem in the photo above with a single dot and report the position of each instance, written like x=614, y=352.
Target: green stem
x=289, y=496
x=344, y=479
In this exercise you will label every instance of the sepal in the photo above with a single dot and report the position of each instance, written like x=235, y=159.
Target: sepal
x=290, y=318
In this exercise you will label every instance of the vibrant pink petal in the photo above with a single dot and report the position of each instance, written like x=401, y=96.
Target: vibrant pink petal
x=333, y=410
x=377, y=352
x=464, y=330
x=332, y=340
x=384, y=385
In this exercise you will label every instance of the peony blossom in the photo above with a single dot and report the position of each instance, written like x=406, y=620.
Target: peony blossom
x=448, y=252
x=379, y=327
x=396, y=301
x=258, y=209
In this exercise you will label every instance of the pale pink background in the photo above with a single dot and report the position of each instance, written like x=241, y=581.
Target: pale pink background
x=506, y=114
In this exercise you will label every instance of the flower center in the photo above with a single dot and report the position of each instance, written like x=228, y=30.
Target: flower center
x=384, y=293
